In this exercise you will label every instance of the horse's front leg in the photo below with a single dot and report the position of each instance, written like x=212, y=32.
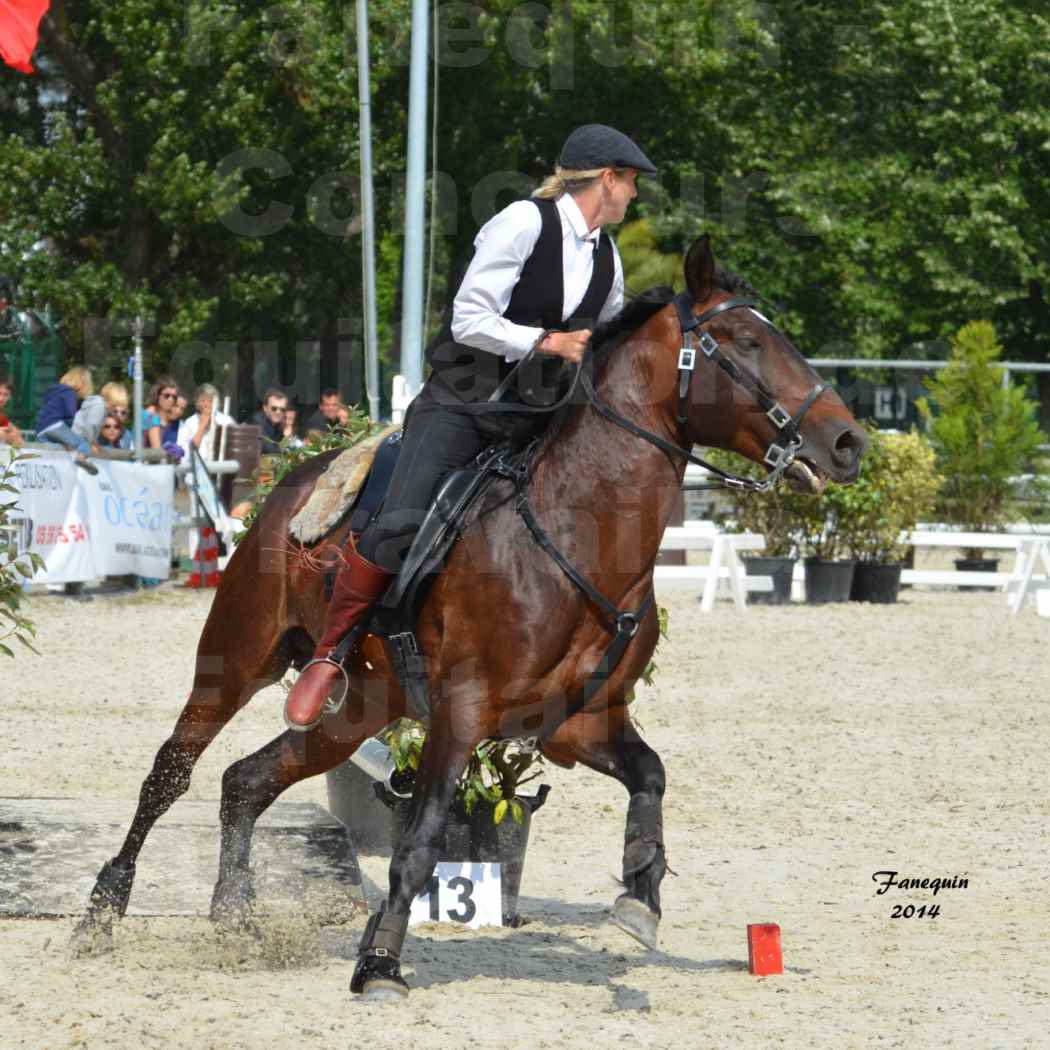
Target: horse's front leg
x=445, y=755
x=607, y=742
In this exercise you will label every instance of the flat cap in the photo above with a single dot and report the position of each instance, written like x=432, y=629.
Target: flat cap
x=599, y=146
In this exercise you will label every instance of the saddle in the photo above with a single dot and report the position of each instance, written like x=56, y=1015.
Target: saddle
x=394, y=616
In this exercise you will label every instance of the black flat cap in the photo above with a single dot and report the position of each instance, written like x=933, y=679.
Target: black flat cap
x=599, y=146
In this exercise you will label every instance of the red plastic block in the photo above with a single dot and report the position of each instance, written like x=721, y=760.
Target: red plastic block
x=763, y=949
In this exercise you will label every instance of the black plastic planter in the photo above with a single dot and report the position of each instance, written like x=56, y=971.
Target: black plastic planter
x=477, y=838
x=828, y=581
x=876, y=582
x=977, y=565
x=780, y=569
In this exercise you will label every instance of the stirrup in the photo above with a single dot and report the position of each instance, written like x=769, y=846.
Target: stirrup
x=330, y=706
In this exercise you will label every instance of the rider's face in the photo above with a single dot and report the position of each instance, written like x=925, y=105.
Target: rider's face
x=620, y=189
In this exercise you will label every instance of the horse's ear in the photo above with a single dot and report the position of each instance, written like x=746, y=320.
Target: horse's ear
x=700, y=270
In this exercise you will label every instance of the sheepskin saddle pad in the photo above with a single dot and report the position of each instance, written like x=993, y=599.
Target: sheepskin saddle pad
x=336, y=489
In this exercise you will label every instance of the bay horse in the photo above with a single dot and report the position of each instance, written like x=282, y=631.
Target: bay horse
x=510, y=640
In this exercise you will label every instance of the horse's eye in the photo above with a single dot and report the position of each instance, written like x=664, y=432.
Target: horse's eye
x=745, y=342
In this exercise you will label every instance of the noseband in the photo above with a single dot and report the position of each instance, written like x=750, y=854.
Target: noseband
x=778, y=456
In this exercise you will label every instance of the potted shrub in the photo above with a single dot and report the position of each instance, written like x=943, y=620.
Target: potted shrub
x=829, y=575
x=984, y=434
x=772, y=514
x=490, y=818
x=897, y=486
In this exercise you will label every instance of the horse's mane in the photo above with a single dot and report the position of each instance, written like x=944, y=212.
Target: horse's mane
x=610, y=334
x=640, y=308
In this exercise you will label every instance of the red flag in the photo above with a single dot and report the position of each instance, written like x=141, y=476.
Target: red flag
x=19, y=23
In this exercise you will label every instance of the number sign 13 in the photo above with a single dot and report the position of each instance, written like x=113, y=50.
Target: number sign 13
x=460, y=892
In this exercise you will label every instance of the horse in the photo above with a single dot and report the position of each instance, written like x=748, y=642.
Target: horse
x=602, y=485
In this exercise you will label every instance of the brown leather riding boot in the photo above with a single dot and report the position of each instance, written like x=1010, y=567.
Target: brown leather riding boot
x=357, y=584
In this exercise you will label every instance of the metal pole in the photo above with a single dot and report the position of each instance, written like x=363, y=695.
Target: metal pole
x=368, y=248
x=415, y=191
x=136, y=370
x=226, y=429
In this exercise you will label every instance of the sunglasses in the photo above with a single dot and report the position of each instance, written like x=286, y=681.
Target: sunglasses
x=278, y=408
x=110, y=426
x=170, y=393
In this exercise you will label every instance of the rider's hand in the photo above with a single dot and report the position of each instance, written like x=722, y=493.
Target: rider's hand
x=567, y=345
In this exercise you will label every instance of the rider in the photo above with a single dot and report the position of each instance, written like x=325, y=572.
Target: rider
x=543, y=271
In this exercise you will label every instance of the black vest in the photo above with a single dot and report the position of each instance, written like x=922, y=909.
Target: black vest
x=537, y=301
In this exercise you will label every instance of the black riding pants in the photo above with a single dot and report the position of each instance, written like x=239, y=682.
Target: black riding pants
x=436, y=440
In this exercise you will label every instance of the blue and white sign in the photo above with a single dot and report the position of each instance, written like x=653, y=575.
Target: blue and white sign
x=460, y=892
x=114, y=523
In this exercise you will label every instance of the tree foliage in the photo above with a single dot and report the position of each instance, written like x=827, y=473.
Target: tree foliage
x=879, y=168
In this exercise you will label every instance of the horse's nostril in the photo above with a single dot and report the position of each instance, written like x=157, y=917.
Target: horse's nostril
x=848, y=447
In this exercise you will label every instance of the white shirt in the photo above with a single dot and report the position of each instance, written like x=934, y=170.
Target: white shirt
x=501, y=249
x=208, y=447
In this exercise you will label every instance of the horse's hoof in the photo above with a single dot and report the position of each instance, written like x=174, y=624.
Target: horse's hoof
x=234, y=920
x=384, y=990
x=637, y=919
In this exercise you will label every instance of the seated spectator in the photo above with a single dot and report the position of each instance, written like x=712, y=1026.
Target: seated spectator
x=270, y=421
x=54, y=421
x=202, y=428
x=116, y=397
x=91, y=414
x=111, y=432
x=327, y=415
x=169, y=434
x=9, y=433
x=291, y=431
x=159, y=412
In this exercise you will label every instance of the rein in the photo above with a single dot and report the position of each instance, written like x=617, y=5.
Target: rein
x=779, y=456
x=623, y=624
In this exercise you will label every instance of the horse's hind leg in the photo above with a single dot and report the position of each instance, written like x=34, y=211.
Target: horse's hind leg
x=250, y=785
x=235, y=658
x=608, y=743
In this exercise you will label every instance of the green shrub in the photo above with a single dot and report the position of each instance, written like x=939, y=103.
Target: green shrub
x=14, y=569
x=897, y=486
x=984, y=434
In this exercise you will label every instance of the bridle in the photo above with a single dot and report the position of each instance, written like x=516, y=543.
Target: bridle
x=781, y=452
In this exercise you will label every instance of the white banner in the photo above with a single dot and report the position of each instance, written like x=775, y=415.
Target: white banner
x=115, y=523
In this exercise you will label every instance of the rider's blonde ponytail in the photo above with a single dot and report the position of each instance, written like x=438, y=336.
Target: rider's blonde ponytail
x=564, y=181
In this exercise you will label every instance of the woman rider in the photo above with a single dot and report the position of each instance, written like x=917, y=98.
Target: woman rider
x=542, y=273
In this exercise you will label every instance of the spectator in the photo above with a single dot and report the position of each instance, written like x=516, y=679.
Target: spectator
x=9, y=433
x=291, y=430
x=111, y=432
x=54, y=421
x=116, y=397
x=202, y=428
x=327, y=415
x=159, y=411
x=270, y=420
x=169, y=434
